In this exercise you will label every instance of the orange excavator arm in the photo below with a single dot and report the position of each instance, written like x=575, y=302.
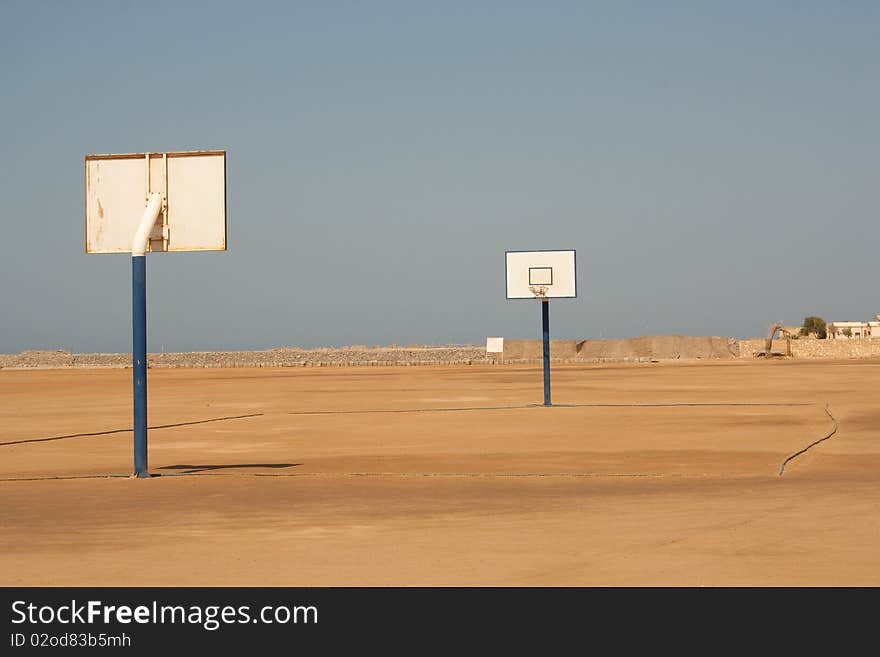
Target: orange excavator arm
x=768, y=343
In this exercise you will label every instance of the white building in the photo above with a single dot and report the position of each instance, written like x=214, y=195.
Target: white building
x=852, y=330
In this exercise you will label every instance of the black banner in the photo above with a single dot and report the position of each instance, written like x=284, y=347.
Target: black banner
x=136, y=620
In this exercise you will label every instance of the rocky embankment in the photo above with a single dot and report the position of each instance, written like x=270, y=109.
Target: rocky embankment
x=283, y=357
x=642, y=349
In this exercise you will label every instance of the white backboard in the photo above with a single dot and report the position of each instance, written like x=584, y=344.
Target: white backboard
x=537, y=274
x=494, y=345
x=193, y=186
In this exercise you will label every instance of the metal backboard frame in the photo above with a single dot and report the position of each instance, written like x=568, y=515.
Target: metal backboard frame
x=192, y=185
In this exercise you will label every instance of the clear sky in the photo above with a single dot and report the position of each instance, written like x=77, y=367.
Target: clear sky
x=715, y=164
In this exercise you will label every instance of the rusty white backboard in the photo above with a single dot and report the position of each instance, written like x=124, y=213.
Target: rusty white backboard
x=553, y=273
x=193, y=185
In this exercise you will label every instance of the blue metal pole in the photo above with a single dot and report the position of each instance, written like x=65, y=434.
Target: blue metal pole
x=545, y=321
x=139, y=361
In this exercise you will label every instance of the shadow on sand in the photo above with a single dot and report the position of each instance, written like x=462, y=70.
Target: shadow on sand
x=189, y=469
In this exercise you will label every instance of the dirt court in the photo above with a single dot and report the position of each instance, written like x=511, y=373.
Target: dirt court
x=644, y=474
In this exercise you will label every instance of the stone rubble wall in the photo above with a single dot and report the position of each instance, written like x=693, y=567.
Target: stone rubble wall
x=516, y=352
x=284, y=357
x=813, y=348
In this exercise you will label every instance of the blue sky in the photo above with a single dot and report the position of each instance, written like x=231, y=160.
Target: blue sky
x=715, y=166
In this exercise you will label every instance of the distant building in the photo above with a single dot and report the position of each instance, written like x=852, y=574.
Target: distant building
x=853, y=330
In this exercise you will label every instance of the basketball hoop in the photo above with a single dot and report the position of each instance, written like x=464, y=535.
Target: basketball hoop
x=143, y=202
x=541, y=275
x=540, y=291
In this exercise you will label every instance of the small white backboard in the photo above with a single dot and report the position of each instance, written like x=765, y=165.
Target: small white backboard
x=541, y=274
x=193, y=189
x=494, y=345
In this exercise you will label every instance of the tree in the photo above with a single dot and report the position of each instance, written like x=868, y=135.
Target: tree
x=847, y=332
x=815, y=325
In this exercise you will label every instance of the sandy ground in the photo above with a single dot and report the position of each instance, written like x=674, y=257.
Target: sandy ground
x=446, y=476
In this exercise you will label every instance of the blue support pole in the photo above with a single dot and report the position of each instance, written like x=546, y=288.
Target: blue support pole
x=545, y=321
x=139, y=361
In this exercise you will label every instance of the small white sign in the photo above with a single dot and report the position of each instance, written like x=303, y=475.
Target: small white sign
x=494, y=345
